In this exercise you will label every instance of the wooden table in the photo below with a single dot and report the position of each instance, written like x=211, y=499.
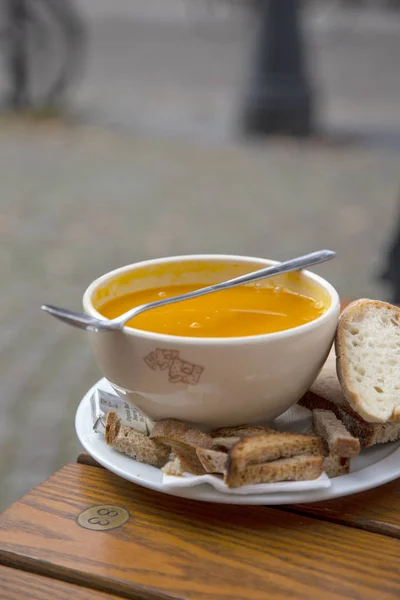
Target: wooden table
x=86, y=532
x=172, y=548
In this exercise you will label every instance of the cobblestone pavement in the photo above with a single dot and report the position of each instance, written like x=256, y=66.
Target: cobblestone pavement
x=78, y=202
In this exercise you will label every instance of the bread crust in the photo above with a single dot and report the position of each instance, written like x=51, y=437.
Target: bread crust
x=134, y=443
x=354, y=313
x=336, y=466
x=113, y=424
x=331, y=429
x=240, y=431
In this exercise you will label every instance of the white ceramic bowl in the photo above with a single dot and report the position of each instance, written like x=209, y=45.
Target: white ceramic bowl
x=210, y=381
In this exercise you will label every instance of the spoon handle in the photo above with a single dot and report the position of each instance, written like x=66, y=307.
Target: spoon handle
x=289, y=265
x=294, y=264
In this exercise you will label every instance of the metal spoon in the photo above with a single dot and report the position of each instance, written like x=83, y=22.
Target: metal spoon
x=83, y=321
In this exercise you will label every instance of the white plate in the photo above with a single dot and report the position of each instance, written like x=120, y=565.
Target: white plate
x=375, y=466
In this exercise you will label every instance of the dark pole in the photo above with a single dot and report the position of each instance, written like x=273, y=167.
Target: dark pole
x=279, y=99
x=18, y=59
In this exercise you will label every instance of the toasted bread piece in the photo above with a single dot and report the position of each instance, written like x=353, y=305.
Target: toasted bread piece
x=183, y=441
x=133, y=443
x=326, y=394
x=340, y=442
x=262, y=448
x=334, y=466
x=240, y=431
x=265, y=447
x=225, y=438
x=367, y=343
x=296, y=468
x=213, y=461
x=113, y=425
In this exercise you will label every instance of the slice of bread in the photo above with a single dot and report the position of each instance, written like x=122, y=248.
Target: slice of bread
x=113, y=425
x=326, y=394
x=225, y=438
x=297, y=468
x=335, y=466
x=240, y=431
x=213, y=461
x=133, y=443
x=340, y=442
x=183, y=440
x=368, y=351
x=265, y=448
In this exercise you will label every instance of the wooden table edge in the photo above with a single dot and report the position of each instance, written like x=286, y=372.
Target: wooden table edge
x=29, y=578
x=69, y=575
x=85, y=459
x=44, y=565
x=314, y=510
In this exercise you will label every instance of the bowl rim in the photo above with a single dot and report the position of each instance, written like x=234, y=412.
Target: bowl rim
x=221, y=341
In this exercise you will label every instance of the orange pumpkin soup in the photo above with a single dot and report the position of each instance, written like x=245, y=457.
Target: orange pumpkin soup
x=240, y=311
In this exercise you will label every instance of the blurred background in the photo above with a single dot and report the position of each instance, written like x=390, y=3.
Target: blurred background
x=133, y=129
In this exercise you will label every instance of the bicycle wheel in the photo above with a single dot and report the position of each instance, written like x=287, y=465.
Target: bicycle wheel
x=16, y=51
x=66, y=18
x=43, y=50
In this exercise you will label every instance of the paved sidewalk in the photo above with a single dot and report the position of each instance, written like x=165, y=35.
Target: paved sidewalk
x=77, y=202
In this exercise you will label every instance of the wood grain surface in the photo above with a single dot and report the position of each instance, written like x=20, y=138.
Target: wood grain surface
x=20, y=585
x=377, y=510
x=174, y=548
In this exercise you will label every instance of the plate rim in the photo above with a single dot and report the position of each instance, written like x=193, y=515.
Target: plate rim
x=345, y=485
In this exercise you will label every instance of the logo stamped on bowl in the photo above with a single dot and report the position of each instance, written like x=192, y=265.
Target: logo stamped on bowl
x=179, y=370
